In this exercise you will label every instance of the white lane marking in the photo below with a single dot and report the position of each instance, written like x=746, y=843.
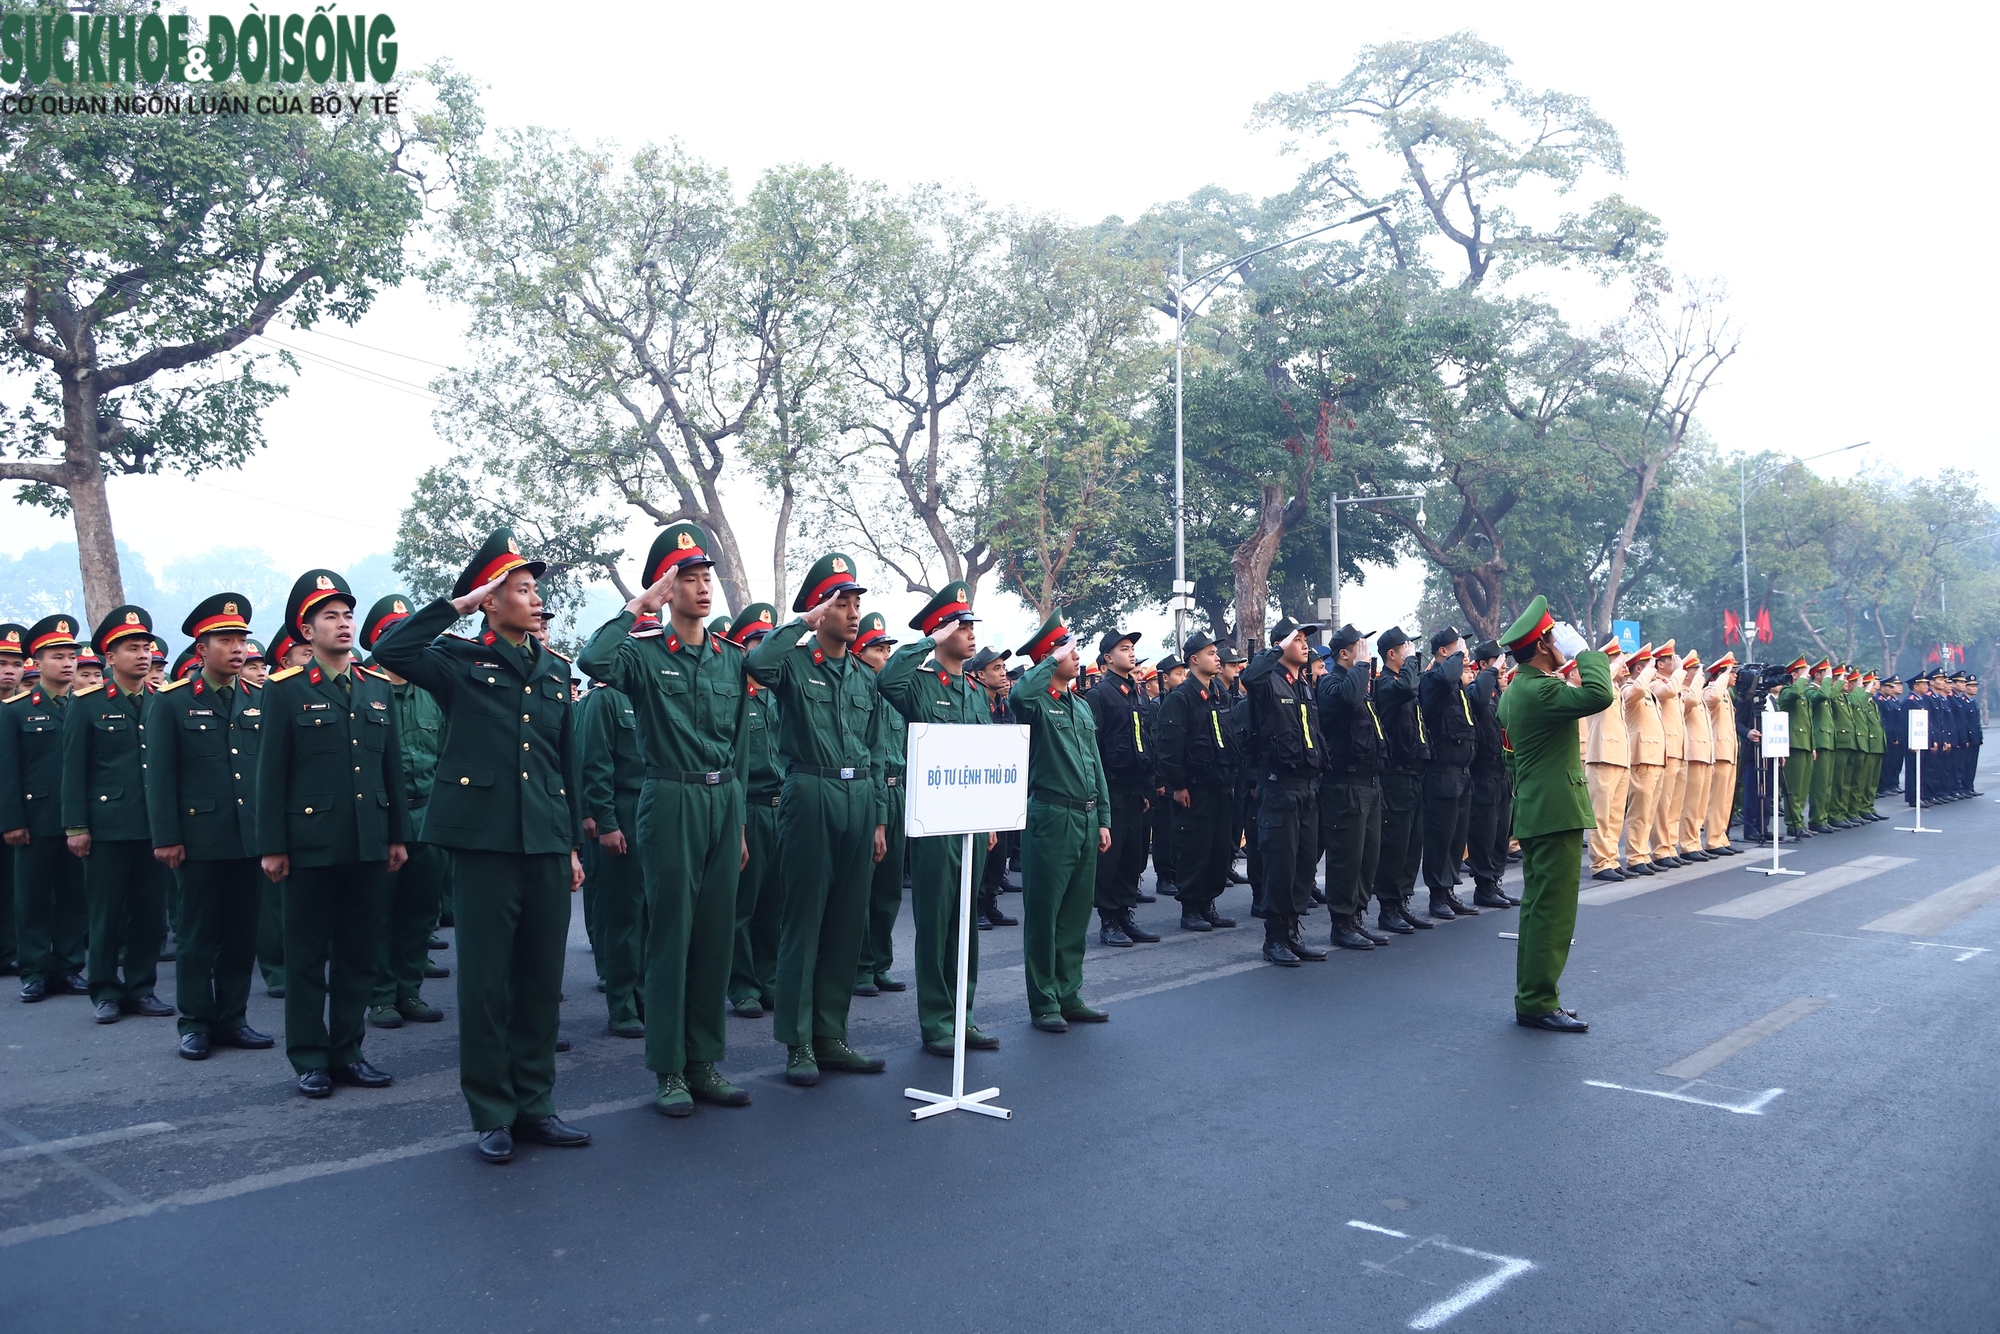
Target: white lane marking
x=105, y=1185
x=1188, y=981
x=1776, y=898
x=1744, y=1038
x=1928, y=916
x=1964, y=952
x=1646, y=884
x=1755, y=1107
x=55, y=1146
x=1469, y=1294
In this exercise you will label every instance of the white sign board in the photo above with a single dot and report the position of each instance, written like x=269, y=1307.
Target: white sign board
x=1777, y=730
x=966, y=779
x=1920, y=729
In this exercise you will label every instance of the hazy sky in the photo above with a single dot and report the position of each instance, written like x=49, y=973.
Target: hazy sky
x=1819, y=161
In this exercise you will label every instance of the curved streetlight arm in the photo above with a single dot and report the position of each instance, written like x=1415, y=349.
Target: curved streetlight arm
x=1188, y=311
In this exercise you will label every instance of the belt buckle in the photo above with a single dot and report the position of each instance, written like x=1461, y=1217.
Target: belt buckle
x=1090, y=805
x=712, y=779
x=846, y=773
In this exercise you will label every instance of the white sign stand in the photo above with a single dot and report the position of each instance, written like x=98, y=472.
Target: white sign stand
x=1776, y=729
x=964, y=779
x=1920, y=741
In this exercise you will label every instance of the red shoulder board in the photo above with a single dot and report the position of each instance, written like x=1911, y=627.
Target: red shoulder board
x=715, y=642
x=314, y=675
x=944, y=676
x=486, y=638
x=819, y=656
x=1054, y=693
x=673, y=643
x=197, y=685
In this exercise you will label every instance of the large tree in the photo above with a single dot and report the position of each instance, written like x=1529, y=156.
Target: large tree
x=142, y=253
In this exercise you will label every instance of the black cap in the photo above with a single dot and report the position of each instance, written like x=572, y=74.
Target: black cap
x=1196, y=642
x=1113, y=638
x=1284, y=629
x=1168, y=664
x=1892, y=680
x=1443, y=636
x=1230, y=655
x=1346, y=635
x=1393, y=637
x=1015, y=673
x=1487, y=651
x=985, y=658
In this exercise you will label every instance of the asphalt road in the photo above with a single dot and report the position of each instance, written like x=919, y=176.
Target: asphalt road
x=1368, y=1143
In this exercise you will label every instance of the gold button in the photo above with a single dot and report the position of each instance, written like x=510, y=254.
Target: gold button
x=357, y=768
x=524, y=745
x=527, y=690
x=232, y=750
x=309, y=810
x=357, y=796
x=463, y=782
x=524, y=775
x=108, y=798
x=525, y=718
x=239, y=801
x=238, y=777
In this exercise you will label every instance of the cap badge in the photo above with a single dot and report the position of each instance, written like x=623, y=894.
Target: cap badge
x=323, y=582
x=62, y=627
x=229, y=608
x=131, y=618
x=513, y=546
x=684, y=541
x=839, y=565
x=398, y=607
x=764, y=616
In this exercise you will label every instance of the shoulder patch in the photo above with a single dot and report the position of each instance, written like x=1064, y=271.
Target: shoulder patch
x=284, y=675
x=21, y=695
x=552, y=653
x=87, y=690
x=254, y=685
x=173, y=685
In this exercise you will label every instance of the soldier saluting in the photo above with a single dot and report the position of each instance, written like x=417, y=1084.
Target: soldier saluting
x=506, y=803
x=50, y=910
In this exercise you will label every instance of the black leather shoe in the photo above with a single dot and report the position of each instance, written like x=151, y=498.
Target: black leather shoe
x=1668, y=863
x=1388, y=921
x=888, y=983
x=1234, y=877
x=1402, y=910
x=747, y=1009
x=989, y=912
x=1555, y=1021
x=106, y=1012
x=562, y=1043
x=1640, y=868
x=436, y=970
x=1822, y=827
x=149, y=1007
x=1345, y=936
x=1319, y=896
x=1459, y=906
x=1610, y=875
x=74, y=984
x=1494, y=899
x=552, y=1131
x=1144, y=897
x=34, y=989
x=245, y=1037
x=1441, y=908
x=194, y=1046
x=1108, y=933
x=1130, y=926
x=1216, y=919
x=496, y=1145
x=1361, y=925
x=316, y=1084
x=978, y=1041
x=1696, y=856
x=1279, y=952
x=1191, y=921
x=1167, y=889
x=362, y=1075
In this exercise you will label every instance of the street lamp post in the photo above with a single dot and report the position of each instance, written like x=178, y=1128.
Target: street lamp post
x=1333, y=527
x=1183, y=599
x=1743, y=480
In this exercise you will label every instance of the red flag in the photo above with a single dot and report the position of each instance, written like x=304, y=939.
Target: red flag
x=1732, y=627
x=1933, y=657
x=1763, y=625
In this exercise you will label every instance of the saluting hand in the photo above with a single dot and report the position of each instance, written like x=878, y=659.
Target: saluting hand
x=814, y=616
x=468, y=604
x=655, y=595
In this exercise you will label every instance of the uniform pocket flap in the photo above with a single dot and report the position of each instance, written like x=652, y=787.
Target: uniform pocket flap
x=111, y=722
x=558, y=785
x=197, y=805
x=110, y=793
x=468, y=776
x=317, y=804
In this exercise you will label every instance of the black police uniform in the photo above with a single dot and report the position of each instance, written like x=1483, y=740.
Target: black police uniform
x=1199, y=753
x=1402, y=785
x=1350, y=800
x=1492, y=803
x=1127, y=755
x=1288, y=753
x=1448, y=724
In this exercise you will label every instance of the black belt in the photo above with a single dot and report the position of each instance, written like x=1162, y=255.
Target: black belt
x=762, y=800
x=1071, y=802
x=715, y=779
x=418, y=804
x=1291, y=780
x=844, y=775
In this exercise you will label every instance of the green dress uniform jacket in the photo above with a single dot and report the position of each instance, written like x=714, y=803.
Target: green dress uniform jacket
x=50, y=911
x=1795, y=700
x=919, y=690
x=760, y=893
x=1069, y=801
x=831, y=804
x=330, y=770
x=1551, y=811
x=888, y=749
x=688, y=706
x=421, y=725
x=506, y=801
x=415, y=892
x=613, y=775
x=104, y=795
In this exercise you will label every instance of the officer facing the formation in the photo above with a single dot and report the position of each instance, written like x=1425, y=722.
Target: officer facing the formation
x=613, y=774
x=1068, y=829
x=926, y=681
x=686, y=688
x=1551, y=804
x=104, y=816
x=1350, y=796
x=330, y=824
x=1118, y=707
x=760, y=891
x=505, y=802
x=1198, y=756
x=414, y=893
x=201, y=799
x=889, y=745
x=1288, y=755
x=830, y=818
x=51, y=913
x=1447, y=719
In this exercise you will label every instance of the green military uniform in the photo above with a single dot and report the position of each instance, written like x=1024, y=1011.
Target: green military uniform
x=887, y=748
x=760, y=890
x=104, y=796
x=505, y=804
x=411, y=894
x=919, y=690
x=271, y=916
x=1874, y=744
x=1820, y=696
x=13, y=648
x=51, y=913
x=688, y=702
x=1069, y=802
x=1551, y=804
x=330, y=799
x=1846, y=750
x=203, y=734
x=1795, y=700
x=827, y=816
x=613, y=774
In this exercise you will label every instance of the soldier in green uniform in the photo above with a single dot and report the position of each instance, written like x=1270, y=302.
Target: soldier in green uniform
x=1069, y=827
x=1846, y=750
x=506, y=804
x=830, y=816
x=613, y=773
x=255, y=668
x=1820, y=696
x=104, y=816
x=687, y=695
x=1551, y=804
x=51, y=914
x=330, y=824
x=926, y=681
x=203, y=735
x=285, y=651
x=411, y=894
x=1795, y=702
x=1875, y=743
x=13, y=666
x=889, y=746
x=760, y=892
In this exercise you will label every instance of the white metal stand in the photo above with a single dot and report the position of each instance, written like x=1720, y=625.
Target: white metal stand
x=1918, y=828
x=1777, y=829
x=958, y=1100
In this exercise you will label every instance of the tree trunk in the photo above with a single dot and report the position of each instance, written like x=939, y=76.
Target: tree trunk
x=790, y=494
x=1252, y=560
x=1615, y=576
x=1478, y=594
x=90, y=504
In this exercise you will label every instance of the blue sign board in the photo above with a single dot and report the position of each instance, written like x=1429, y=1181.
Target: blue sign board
x=1628, y=635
